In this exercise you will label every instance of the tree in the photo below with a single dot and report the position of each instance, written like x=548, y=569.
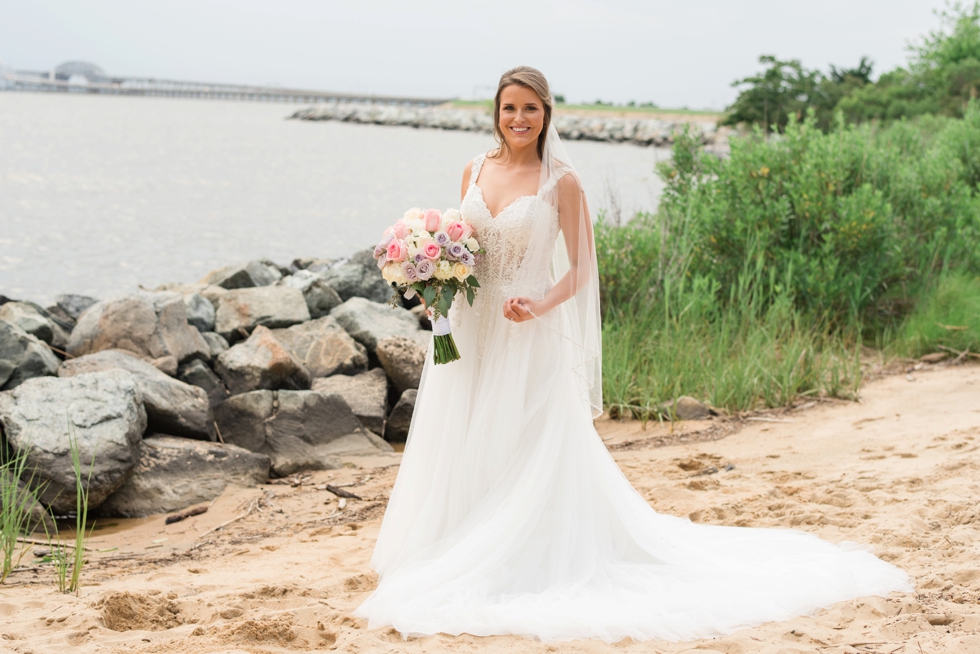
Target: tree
x=785, y=88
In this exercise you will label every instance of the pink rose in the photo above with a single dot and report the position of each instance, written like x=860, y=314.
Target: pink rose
x=432, y=251
x=456, y=230
x=400, y=230
x=432, y=218
x=397, y=251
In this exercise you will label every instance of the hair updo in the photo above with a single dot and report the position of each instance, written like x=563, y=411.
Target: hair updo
x=530, y=78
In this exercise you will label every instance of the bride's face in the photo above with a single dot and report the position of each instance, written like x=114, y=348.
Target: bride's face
x=521, y=116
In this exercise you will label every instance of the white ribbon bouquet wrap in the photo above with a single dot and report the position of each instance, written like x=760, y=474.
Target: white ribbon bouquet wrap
x=432, y=254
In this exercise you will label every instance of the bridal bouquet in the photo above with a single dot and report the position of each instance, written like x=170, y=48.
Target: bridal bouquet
x=432, y=254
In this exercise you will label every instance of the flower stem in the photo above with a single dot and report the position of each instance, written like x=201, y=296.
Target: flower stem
x=445, y=349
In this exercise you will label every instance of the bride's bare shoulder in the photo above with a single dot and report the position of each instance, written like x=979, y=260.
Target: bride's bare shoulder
x=467, y=172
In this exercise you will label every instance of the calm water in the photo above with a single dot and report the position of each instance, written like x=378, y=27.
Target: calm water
x=101, y=194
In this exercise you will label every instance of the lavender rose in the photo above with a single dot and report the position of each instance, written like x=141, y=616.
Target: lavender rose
x=425, y=269
x=410, y=272
x=418, y=258
x=455, y=251
x=468, y=259
x=382, y=258
x=442, y=238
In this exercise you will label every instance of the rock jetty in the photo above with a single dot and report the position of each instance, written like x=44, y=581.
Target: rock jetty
x=614, y=129
x=257, y=370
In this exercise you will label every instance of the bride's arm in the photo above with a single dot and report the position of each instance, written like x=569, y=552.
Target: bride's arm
x=576, y=226
x=466, y=179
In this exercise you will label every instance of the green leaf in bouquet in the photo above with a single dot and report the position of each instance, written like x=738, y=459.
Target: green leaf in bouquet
x=445, y=301
x=470, y=294
x=471, y=280
x=429, y=295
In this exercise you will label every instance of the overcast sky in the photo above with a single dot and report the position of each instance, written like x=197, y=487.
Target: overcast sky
x=676, y=53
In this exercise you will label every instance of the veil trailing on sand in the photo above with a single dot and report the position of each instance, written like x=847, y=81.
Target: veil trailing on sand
x=574, y=269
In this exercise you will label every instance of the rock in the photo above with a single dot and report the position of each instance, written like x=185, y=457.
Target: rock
x=74, y=305
x=167, y=365
x=105, y=411
x=174, y=473
x=261, y=362
x=313, y=264
x=198, y=374
x=402, y=358
x=320, y=298
x=23, y=356
x=151, y=325
x=686, y=408
x=366, y=394
x=216, y=342
x=32, y=319
x=359, y=276
x=400, y=420
x=241, y=310
x=369, y=322
x=172, y=406
x=299, y=430
x=324, y=347
x=247, y=275
x=200, y=312
x=424, y=322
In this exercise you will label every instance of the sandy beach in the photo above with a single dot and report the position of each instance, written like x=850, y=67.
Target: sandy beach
x=897, y=471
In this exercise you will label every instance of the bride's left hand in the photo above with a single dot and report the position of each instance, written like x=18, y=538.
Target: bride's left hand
x=519, y=309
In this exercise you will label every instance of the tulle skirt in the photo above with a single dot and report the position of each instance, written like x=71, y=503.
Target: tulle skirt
x=509, y=516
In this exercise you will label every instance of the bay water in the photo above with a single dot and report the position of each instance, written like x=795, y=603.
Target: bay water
x=100, y=195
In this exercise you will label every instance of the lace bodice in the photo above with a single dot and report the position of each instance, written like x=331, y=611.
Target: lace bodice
x=506, y=238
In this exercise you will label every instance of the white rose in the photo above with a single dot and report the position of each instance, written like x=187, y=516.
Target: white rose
x=443, y=271
x=471, y=244
x=415, y=224
x=412, y=214
x=451, y=216
x=461, y=271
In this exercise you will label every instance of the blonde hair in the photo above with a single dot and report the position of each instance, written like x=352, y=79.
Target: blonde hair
x=530, y=78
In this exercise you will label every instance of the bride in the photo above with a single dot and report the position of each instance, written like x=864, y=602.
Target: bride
x=509, y=516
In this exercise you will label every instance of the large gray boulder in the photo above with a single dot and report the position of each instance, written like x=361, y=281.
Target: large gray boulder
x=324, y=347
x=200, y=312
x=242, y=275
x=299, y=430
x=23, y=357
x=74, y=305
x=32, y=319
x=400, y=420
x=174, y=473
x=172, y=406
x=320, y=298
x=241, y=310
x=197, y=373
x=359, y=276
x=366, y=394
x=261, y=362
x=369, y=322
x=103, y=410
x=402, y=358
x=149, y=324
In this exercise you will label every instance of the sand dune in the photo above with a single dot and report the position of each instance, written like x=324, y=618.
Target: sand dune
x=899, y=471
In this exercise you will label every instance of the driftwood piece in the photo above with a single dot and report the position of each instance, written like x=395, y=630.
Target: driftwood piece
x=198, y=510
x=340, y=492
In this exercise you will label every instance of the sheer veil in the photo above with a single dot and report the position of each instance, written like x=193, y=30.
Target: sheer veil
x=573, y=268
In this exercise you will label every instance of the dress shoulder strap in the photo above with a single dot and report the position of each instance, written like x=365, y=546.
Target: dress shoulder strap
x=560, y=171
x=477, y=167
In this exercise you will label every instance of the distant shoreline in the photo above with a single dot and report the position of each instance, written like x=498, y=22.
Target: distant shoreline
x=615, y=125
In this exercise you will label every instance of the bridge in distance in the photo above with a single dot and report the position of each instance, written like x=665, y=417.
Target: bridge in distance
x=84, y=77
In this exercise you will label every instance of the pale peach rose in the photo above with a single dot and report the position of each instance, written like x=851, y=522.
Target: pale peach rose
x=461, y=271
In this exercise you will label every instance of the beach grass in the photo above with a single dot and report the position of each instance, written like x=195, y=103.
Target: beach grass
x=17, y=498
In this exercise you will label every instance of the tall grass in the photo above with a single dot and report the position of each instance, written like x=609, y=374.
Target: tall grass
x=761, y=274
x=17, y=500
x=81, y=514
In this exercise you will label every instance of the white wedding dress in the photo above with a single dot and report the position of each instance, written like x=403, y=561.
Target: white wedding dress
x=509, y=516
